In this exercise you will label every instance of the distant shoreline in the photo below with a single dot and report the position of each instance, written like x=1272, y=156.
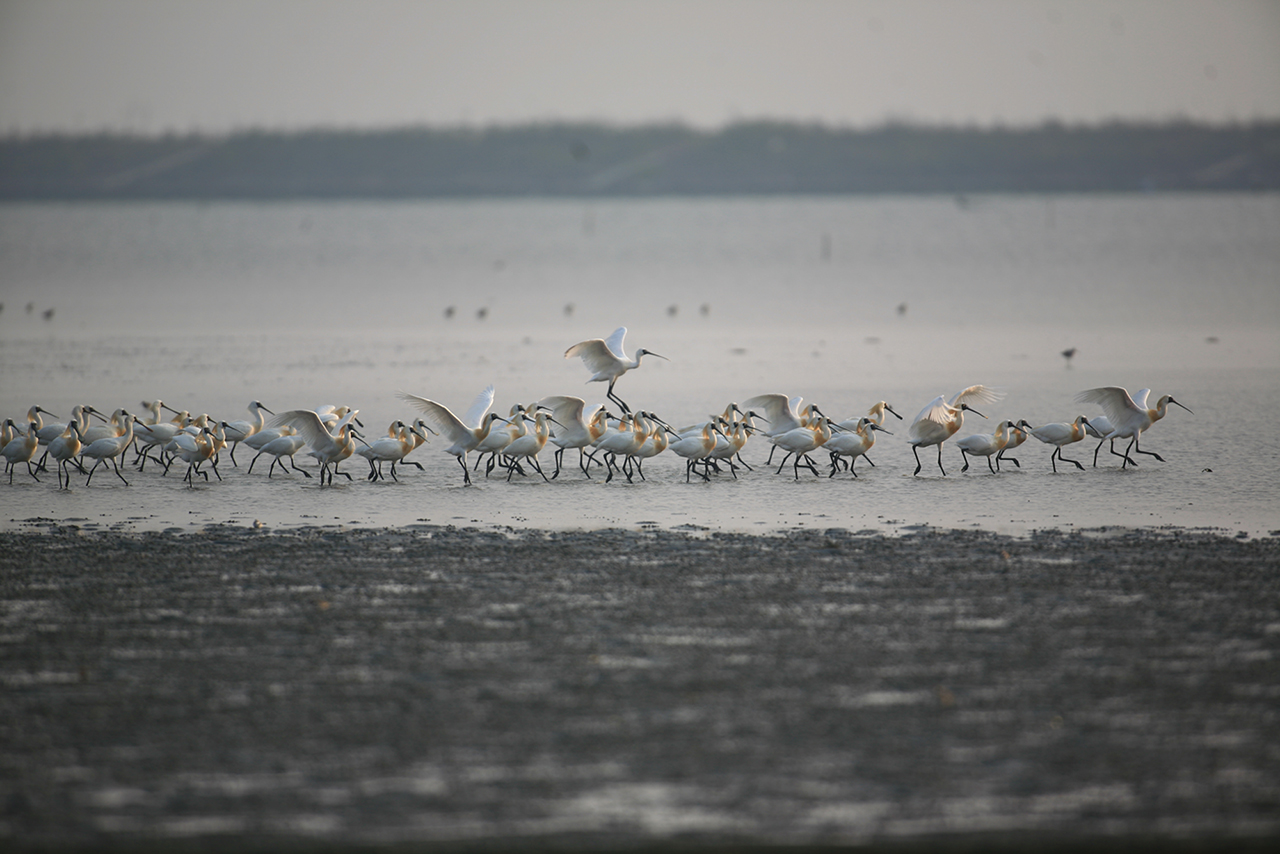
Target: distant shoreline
x=601, y=161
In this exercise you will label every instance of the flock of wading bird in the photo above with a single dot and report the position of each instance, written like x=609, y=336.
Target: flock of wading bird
x=618, y=442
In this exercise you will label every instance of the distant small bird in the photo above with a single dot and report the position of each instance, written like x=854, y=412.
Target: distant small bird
x=673, y=310
x=1067, y=354
x=449, y=313
x=902, y=309
x=47, y=314
x=568, y=309
x=482, y=313
x=705, y=309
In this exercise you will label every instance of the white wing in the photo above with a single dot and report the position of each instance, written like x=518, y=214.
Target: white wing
x=1140, y=399
x=479, y=407
x=448, y=423
x=614, y=342
x=936, y=411
x=308, y=425
x=976, y=394
x=1114, y=401
x=778, y=409
x=596, y=355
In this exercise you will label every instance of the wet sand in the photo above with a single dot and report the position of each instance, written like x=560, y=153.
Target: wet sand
x=465, y=689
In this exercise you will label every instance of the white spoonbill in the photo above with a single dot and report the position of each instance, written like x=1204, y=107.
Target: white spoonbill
x=876, y=414
x=607, y=360
x=1129, y=417
x=284, y=445
x=941, y=419
x=529, y=445
x=800, y=441
x=238, y=431
x=329, y=448
x=1017, y=435
x=1062, y=434
x=854, y=442
x=985, y=444
x=21, y=449
x=575, y=427
x=63, y=448
x=694, y=449
x=108, y=448
x=464, y=438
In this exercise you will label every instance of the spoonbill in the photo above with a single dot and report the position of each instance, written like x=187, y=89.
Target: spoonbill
x=575, y=427
x=529, y=445
x=464, y=438
x=21, y=449
x=329, y=448
x=1062, y=434
x=854, y=442
x=608, y=360
x=63, y=448
x=238, y=431
x=985, y=444
x=941, y=419
x=694, y=449
x=1129, y=417
x=108, y=448
x=876, y=414
x=285, y=444
x=800, y=441
x=1017, y=435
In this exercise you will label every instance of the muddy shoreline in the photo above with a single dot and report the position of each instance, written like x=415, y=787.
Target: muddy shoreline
x=463, y=688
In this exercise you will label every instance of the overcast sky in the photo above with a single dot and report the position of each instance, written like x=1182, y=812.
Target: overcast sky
x=216, y=65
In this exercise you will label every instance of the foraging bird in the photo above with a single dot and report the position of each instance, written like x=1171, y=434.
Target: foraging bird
x=876, y=414
x=941, y=419
x=529, y=445
x=1061, y=435
x=575, y=429
x=694, y=449
x=20, y=450
x=853, y=443
x=329, y=448
x=108, y=448
x=1129, y=417
x=464, y=438
x=63, y=448
x=238, y=431
x=1017, y=435
x=985, y=444
x=800, y=441
x=286, y=444
x=608, y=360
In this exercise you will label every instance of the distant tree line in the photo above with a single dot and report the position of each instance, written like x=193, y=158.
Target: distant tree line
x=584, y=160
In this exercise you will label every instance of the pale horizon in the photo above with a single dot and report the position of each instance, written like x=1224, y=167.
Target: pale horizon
x=130, y=66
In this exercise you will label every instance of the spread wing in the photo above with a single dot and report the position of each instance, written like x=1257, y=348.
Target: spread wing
x=778, y=410
x=1114, y=401
x=479, y=407
x=614, y=342
x=308, y=425
x=595, y=354
x=976, y=394
x=440, y=415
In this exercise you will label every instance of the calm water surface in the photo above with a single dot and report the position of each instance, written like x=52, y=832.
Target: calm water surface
x=843, y=301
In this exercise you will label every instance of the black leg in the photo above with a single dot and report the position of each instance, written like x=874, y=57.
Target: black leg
x=940, y=468
x=915, y=449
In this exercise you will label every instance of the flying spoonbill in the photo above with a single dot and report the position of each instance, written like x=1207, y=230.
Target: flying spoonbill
x=608, y=360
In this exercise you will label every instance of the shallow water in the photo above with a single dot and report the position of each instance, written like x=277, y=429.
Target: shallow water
x=210, y=306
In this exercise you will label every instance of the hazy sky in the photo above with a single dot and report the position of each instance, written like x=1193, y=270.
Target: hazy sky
x=158, y=65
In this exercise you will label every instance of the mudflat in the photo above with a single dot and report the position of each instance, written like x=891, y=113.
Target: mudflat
x=453, y=688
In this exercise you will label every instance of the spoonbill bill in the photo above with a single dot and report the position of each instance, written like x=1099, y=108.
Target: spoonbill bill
x=607, y=360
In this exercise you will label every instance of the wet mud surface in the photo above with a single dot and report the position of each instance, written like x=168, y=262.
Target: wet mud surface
x=464, y=689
